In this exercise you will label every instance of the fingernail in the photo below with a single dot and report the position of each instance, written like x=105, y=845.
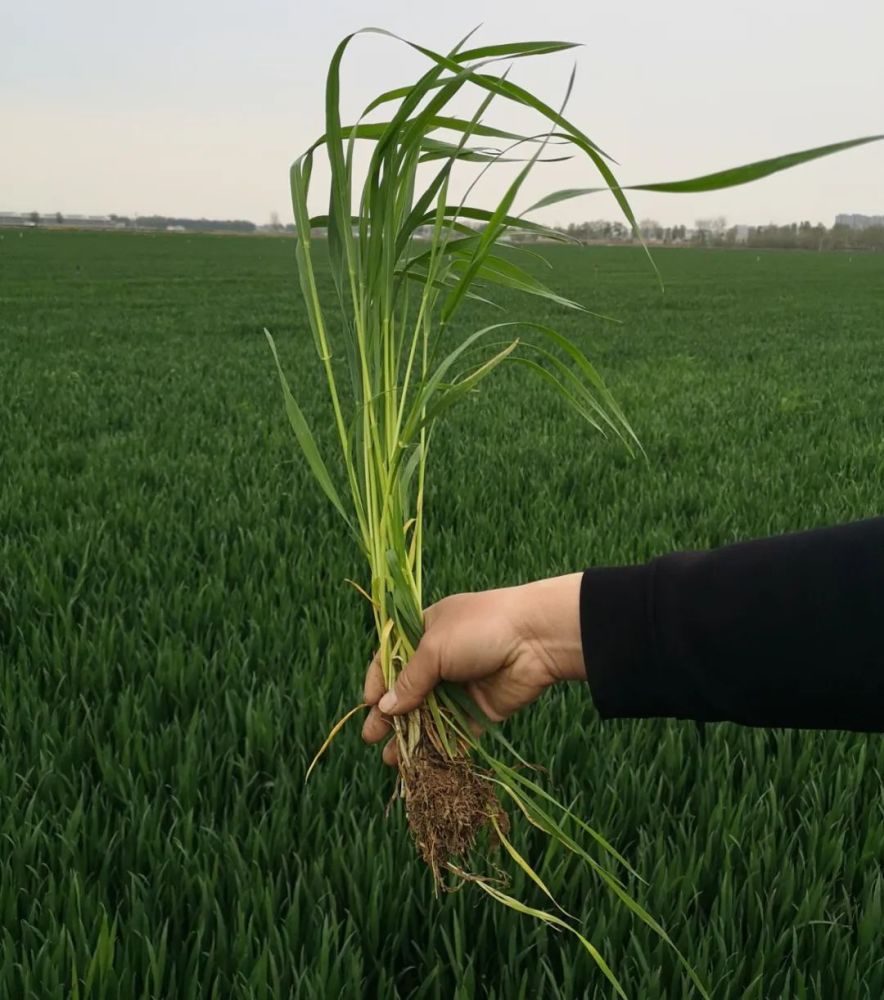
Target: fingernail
x=388, y=702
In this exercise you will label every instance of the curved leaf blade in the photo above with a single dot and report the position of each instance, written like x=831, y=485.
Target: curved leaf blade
x=748, y=172
x=306, y=440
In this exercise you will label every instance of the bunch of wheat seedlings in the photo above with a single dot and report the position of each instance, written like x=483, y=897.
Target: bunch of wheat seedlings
x=392, y=372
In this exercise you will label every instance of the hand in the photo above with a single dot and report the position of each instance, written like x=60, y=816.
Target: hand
x=505, y=646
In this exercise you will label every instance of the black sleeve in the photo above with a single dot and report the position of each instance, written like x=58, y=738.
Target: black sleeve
x=782, y=631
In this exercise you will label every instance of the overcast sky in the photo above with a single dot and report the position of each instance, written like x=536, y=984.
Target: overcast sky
x=197, y=107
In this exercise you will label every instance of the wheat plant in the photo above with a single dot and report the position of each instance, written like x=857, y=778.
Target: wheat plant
x=405, y=257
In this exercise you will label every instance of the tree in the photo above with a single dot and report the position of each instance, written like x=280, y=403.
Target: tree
x=35, y=218
x=710, y=232
x=651, y=229
x=59, y=218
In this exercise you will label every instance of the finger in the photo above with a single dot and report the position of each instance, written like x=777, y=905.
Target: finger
x=374, y=682
x=390, y=754
x=418, y=678
x=483, y=694
x=375, y=727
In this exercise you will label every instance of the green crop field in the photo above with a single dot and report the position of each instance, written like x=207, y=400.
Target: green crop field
x=171, y=657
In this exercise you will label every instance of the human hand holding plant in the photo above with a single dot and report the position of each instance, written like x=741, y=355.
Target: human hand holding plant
x=505, y=646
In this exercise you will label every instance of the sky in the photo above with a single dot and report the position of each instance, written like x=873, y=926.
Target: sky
x=197, y=107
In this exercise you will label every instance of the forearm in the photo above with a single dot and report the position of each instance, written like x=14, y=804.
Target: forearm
x=785, y=631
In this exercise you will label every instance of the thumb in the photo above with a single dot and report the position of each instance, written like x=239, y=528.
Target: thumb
x=418, y=678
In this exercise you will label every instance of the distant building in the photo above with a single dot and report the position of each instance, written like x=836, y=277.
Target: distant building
x=52, y=219
x=741, y=234
x=15, y=219
x=859, y=221
x=89, y=221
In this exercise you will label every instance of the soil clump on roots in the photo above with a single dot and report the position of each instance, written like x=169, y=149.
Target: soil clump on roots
x=447, y=802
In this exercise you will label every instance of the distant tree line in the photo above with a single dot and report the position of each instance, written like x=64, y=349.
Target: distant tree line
x=716, y=233
x=600, y=230
x=803, y=236
x=159, y=222
x=197, y=225
x=704, y=233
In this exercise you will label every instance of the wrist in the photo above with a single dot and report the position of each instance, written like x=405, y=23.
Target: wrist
x=550, y=619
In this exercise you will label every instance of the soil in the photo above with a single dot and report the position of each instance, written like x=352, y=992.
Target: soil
x=447, y=802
